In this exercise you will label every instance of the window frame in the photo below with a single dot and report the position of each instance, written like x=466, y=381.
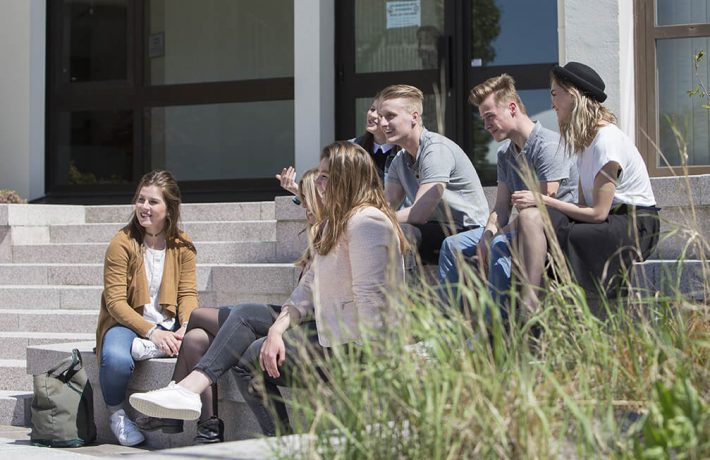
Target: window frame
x=137, y=95
x=646, y=33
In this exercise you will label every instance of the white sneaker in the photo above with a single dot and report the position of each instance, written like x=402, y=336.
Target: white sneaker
x=172, y=401
x=143, y=349
x=125, y=430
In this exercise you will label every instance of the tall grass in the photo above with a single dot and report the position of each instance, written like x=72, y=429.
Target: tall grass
x=582, y=389
x=436, y=385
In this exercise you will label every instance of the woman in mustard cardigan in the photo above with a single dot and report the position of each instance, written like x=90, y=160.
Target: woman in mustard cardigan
x=150, y=289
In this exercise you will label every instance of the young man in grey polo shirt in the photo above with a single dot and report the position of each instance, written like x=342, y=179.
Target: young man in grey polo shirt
x=531, y=157
x=431, y=171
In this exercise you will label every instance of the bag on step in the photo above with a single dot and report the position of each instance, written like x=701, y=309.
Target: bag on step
x=63, y=406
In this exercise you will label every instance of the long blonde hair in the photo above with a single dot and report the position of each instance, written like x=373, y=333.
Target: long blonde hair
x=168, y=186
x=353, y=183
x=585, y=120
x=310, y=199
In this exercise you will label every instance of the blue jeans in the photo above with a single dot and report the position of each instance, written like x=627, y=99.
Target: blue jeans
x=499, y=262
x=116, y=365
x=452, y=248
x=499, y=269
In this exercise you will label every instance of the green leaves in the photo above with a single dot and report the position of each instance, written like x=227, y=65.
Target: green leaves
x=677, y=424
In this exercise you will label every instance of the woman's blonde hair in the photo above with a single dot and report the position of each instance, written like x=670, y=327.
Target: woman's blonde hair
x=309, y=197
x=585, y=120
x=168, y=186
x=353, y=183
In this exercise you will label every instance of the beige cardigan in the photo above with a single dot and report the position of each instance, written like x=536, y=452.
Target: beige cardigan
x=126, y=287
x=349, y=289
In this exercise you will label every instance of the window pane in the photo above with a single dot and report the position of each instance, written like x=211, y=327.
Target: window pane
x=94, y=148
x=509, y=32
x=397, y=36
x=676, y=76
x=222, y=141
x=97, y=44
x=192, y=41
x=670, y=12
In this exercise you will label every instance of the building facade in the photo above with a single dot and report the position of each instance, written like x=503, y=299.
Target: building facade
x=226, y=92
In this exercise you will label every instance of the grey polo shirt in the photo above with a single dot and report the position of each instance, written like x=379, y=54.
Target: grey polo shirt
x=543, y=153
x=439, y=159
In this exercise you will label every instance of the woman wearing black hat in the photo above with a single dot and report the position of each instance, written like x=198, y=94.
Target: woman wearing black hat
x=616, y=219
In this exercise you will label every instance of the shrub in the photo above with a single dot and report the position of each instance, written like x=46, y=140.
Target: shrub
x=10, y=196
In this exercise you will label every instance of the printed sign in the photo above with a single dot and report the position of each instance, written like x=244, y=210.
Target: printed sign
x=404, y=13
x=156, y=45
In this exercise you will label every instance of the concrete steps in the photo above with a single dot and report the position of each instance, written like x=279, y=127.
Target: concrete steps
x=190, y=212
x=14, y=375
x=260, y=276
x=14, y=344
x=214, y=252
x=15, y=407
x=30, y=320
x=257, y=230
x=51, y=276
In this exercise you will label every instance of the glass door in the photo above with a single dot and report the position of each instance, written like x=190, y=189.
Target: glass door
x=380, y=43
x=444, y=47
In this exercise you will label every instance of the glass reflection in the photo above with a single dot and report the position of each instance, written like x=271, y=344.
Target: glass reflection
x=388, y=39
x=679, y=111
x=95, y=148
x=511, y=32
x=672, y=12
x=193, y=41
x=97, y=45
x=222, y=141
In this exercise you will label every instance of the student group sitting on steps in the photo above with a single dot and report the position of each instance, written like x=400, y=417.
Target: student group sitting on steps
x=378, y=207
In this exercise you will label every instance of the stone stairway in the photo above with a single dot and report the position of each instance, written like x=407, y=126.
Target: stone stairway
x=51, y=270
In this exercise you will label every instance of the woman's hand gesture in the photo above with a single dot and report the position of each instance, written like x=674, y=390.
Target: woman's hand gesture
x=167, y=341
x=272, y=354
x=524, y=199
x=287, y=179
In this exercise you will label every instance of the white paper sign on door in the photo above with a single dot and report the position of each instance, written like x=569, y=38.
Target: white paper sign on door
x=404, y=13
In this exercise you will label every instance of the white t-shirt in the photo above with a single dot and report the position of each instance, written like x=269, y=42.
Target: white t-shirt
x=611, y=144
x=154, y=262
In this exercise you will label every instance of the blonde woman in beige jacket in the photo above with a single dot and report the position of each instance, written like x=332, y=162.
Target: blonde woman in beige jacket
x=150, y=290
x=357, y=264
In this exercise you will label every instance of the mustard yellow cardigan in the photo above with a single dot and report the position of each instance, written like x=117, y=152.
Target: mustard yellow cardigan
x=126, y=287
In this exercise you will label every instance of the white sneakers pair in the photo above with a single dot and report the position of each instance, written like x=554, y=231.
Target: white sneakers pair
x=125, y=430
x=172, y=401
x=142, y=349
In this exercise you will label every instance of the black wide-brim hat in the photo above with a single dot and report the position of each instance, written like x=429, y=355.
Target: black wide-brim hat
x=582, y=77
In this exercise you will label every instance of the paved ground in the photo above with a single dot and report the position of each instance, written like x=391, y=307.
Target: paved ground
x=15, y=444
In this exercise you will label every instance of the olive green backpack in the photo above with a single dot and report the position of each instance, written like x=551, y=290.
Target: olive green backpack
x=63, y=406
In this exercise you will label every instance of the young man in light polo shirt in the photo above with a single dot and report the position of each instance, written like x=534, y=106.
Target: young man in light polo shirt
x=431, y=171
x=532, y=155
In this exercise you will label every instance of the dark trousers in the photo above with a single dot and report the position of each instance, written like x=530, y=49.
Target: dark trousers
x=427, y=238
x=239, y=327
x=248, y=369
x=601, y=254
